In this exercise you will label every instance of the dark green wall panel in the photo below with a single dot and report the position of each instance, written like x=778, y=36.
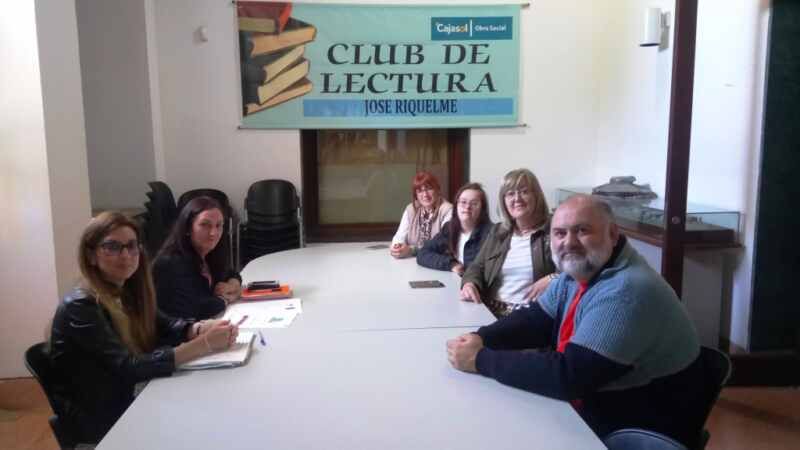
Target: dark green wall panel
x=775, y=314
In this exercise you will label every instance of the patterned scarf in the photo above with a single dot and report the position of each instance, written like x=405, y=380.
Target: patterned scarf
x=425, y=225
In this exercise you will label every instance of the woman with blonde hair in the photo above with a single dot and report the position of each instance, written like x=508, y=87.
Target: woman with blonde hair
x=514, y=265
x=423, y=217
x=108, y=336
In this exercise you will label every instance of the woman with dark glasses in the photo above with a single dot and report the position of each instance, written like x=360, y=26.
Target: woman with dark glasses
x=108, y=337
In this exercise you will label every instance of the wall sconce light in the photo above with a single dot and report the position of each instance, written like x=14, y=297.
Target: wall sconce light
x=655, y=23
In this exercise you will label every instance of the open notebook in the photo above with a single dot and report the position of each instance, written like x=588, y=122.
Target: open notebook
x=235, y=356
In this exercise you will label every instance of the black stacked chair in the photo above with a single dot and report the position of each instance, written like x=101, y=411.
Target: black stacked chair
x=38, y=364
x=231, y=221
x=273, y=219
x=160, y=214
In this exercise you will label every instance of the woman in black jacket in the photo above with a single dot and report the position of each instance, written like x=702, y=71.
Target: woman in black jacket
x=192, y=271
x=107, y=335
x=458, y=243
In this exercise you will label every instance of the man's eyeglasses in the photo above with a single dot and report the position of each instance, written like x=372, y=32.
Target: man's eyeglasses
x=114, y=248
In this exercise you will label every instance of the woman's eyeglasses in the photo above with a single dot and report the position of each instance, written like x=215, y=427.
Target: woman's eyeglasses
x=114, y=248
x=522, y=193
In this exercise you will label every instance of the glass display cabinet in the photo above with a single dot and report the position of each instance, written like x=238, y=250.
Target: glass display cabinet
x=644, y=219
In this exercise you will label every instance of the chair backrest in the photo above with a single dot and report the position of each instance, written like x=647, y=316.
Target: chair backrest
x=163, y=200
x=38, y=363
x=640, y=439
x=272, y=198
x=716, y=369
x=216, y=194
x=161, y=214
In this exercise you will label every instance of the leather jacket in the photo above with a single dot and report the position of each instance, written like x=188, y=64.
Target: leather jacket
x=94, y=373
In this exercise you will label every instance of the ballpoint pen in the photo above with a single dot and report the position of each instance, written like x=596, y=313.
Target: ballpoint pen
x=241, y=321
x=261, y=338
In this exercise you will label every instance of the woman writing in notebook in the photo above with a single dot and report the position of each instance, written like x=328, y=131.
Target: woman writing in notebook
x=192, y=270
x=107, y=335
x=423, y=217
x=458, y=243
x=514, y=265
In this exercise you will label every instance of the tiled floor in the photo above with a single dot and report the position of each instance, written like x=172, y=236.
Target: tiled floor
x=743, y=419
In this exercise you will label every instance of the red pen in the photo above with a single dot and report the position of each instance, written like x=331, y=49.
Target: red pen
x=241, y=321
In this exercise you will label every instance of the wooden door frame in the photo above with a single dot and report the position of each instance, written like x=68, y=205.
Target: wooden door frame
x=679, y=141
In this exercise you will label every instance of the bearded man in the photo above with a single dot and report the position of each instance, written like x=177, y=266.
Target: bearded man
x=610, y=334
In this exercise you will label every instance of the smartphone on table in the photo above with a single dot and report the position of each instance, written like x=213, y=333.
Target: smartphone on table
x=261, y=285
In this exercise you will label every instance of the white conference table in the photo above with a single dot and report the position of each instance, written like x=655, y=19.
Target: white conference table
x=364, y=367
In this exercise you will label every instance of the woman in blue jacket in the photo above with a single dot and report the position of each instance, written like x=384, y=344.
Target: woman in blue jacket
x=458, y=243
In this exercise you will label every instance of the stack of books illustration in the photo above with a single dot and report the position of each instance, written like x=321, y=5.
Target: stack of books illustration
x=272, y=44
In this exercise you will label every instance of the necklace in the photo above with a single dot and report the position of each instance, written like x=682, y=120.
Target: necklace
x=523, y=231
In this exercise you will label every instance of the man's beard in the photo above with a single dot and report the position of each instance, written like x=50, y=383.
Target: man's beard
x=582, y=266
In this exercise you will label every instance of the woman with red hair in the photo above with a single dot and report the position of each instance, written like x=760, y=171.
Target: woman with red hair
x=422, y=218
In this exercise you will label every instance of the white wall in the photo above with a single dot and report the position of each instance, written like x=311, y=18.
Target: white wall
x=632, y=93
x=200, y=106
x=200, y=113
x=33, y=114
x=557, y=104
x=117, y=104
x=595, y=105
x=726, y=132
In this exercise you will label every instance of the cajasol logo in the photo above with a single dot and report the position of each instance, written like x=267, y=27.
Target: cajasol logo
x=471, y=28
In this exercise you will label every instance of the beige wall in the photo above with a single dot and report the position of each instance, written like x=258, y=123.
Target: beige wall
x=64, y=132
x=120, y=139
x=42, y=168
x=27, y=256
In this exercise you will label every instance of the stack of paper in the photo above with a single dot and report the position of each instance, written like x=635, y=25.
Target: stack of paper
x=275, y=314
